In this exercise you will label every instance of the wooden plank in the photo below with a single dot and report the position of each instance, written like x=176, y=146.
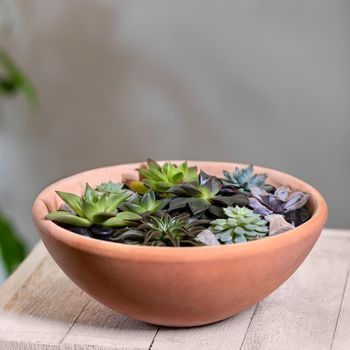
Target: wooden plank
x=341, y=339
x=231, y=333
x=302, y=313
x=227, y=334
x=16, y=280
x=42, y=311
x=101, y=328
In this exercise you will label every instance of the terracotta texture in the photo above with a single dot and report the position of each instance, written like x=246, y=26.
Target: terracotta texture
x=169, y=286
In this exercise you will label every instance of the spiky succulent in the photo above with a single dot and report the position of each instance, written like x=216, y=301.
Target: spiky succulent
x=93, y=208
x=242, y=225
x=243, y=179
x=164, y=230
x=202, y=195
x=144, y=204
x=160, y=178
x=282, y=201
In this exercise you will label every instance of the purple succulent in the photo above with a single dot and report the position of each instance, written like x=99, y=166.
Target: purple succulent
x=280, y=202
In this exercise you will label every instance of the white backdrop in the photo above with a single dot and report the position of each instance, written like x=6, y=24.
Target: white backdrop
x=265, y=82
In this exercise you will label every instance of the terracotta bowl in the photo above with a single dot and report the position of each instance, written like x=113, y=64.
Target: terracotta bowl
x=168, y=286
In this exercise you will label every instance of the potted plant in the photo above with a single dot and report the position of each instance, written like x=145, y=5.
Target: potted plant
x=179, y=243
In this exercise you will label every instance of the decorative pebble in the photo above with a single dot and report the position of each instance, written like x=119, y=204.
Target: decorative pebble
x=278, y=224
x=83, y=231
x=101, y=232
x=67, y=208
x=207, y=237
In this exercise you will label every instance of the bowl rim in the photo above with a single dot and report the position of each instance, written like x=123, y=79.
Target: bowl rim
x=89, y=244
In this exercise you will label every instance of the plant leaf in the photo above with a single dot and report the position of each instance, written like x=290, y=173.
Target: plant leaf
x=12, y=250
x=100, y=218
x=191, y=174
x=73, y=201
x=89, y=195
x=152, y=164
x=178, y=203
x=114, y=200
x=178, y=177
x=202, y=178
x=67, y=218
x=198, y=205
x=122, y=219
x=137, y=186
x=91, y=209
x=296, y=201
x=148, y=199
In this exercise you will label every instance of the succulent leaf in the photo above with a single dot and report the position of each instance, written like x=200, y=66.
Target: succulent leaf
x=137, y=186
x=73, y=201
x=67, y=218
x=114, y=200
x=198, y=205
x=122, y=219
x=90, y=195
x=241, y=225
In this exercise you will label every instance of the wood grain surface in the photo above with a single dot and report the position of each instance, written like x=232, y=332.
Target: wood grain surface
x=42, y=309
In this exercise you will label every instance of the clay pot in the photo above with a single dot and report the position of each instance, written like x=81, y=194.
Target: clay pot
x=169, y=286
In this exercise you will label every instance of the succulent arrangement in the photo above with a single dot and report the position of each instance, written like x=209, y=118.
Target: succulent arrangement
x=178, y=205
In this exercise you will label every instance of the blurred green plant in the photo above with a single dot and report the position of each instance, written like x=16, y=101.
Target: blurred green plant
x=12, y=249
x=12, y=81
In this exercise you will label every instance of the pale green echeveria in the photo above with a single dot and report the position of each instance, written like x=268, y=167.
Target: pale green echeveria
x=241, y=225
x=94, y=208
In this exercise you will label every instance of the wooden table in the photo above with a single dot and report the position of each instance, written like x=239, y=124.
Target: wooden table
x=42, y=309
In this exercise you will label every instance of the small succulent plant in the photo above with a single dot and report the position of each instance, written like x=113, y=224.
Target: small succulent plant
x=282, y=201
x=244, y=179
x=241, y=225
x=145, y=204
x=164, y=230
x=93, y=209
x=110, y=187
x=160, y=178
x=201, y=195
